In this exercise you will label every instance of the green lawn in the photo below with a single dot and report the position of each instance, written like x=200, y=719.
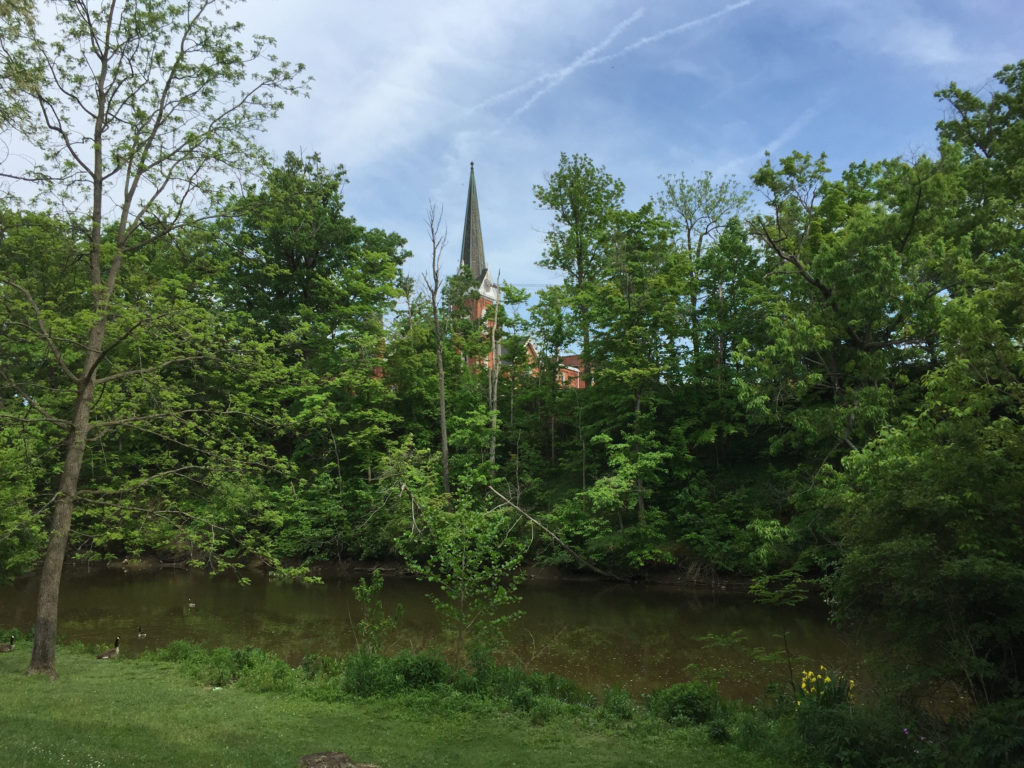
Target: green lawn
x=146, y=713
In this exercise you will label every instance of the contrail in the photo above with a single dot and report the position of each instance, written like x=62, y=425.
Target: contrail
x=793, y=129
x=553, y=79
x=682, y=27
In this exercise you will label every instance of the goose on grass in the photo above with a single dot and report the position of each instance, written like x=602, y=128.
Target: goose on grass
x=7, y=647
x=112, y=653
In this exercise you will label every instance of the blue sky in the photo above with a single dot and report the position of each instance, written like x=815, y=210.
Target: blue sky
x=408, y=92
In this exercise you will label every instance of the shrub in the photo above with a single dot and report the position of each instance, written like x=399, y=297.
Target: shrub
x=264, y=672
x=177, y=651
x=505, y=682
x=718, y=730
x=464, y=682
x=328, y=689
x=370, y=674
x=837, y=732
x=544, y=709
x=316, y=666
x=994, y=737
x=562, y=690
x=684, y=703
x=221, y=666
x=618, y=704
x=523, y=699
x=420, y=670
x=217, y=667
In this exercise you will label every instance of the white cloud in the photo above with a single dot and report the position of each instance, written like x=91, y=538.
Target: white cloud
x=915, y=33
x=920, y=40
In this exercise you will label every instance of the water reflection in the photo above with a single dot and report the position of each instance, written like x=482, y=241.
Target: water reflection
x=634, y=636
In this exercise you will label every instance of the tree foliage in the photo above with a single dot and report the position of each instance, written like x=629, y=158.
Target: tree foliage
x=135, y=110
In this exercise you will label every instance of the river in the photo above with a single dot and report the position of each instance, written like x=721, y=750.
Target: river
x=639, y=637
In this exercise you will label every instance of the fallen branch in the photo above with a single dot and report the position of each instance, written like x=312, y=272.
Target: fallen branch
x=554, y=537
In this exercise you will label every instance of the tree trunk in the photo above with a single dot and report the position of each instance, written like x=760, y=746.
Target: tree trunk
x=492, y=386
x=44, y=645
x=443, y=407
x=641, y=510
x=438, y=239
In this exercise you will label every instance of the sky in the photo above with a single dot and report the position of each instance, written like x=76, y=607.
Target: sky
x=407, y=93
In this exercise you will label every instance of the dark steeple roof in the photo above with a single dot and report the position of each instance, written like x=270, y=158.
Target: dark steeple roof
x=472, y=235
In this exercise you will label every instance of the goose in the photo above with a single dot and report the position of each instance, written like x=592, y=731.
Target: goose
x=141, y=635
x=112, y=653
x=7, y=647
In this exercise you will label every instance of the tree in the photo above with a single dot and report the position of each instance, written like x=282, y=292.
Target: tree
x=721, y=476
x=851, y=289
x=17, y=20
x=636, y=348
x=438, y=240
x=459, y=541
x=701, y=208
x=582, y=196
x=929, y=513
x=140, y=108
x=851, y=282
x=294, y=257
x=314, y=286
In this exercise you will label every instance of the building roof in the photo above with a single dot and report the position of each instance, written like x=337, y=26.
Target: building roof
x=571, y=361
x=472, y=234
x=473, y=242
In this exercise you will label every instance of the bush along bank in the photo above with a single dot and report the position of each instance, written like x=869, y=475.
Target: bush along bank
x=821, y=724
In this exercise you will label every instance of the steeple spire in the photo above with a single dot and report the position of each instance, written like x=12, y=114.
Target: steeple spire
x=472, y=235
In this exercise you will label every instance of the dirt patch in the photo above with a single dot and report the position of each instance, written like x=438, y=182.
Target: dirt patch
x=331, y=760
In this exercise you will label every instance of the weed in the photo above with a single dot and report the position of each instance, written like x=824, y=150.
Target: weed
x=685, y=703
x=618, y=704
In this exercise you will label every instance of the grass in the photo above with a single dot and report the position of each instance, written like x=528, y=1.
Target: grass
x=140, y=712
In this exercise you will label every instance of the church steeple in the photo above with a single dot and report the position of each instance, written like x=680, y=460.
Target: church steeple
x=472, y=235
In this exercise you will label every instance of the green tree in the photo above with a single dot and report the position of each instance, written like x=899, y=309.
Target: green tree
x=315, y=286
x=582, y=196
x=460, y=542
x=17, y=77
x=930, y=512
x=295, y=258
x=701, y=208
x=637, y=347
x=852, y=282
x=140, y=108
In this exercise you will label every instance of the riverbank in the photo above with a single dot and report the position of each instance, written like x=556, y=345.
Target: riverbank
x=130, y=712
x=694, y=575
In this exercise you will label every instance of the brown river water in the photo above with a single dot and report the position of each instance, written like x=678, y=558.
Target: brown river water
x=635, y=636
